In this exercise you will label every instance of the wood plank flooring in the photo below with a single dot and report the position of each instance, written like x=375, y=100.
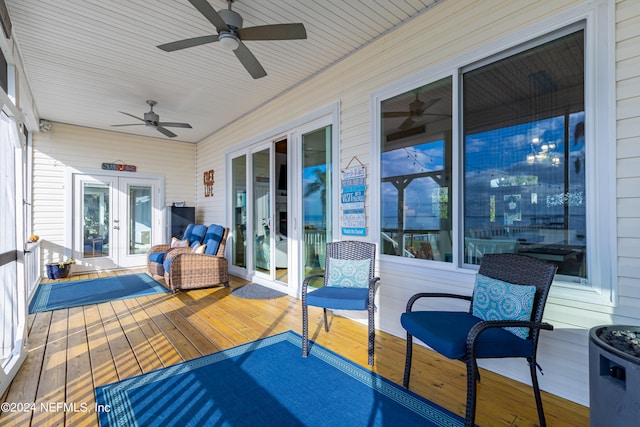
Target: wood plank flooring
x=74, y=350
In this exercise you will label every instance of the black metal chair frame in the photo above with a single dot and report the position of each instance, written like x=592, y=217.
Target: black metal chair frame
x=345, y=250
x=512, y=268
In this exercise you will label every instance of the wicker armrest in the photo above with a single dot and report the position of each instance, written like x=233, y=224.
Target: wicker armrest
x=173, y=253
x=165, y=247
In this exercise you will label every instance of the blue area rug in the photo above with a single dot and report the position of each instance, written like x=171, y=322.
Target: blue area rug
x=56, y=296
x=266, y=383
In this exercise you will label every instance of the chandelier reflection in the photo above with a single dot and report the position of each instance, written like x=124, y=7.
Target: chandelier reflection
x=543, y=153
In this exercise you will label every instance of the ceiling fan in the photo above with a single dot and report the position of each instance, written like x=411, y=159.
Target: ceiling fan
x=417, y=109
x=152, y=120
x=231, y=35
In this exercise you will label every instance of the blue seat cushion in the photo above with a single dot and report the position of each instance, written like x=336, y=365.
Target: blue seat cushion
x=167, y=264
x=157, y=257
x=339, y=298
x=446, y=332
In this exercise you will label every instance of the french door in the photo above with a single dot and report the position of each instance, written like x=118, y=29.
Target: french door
x=281, y=209
x=116, y=220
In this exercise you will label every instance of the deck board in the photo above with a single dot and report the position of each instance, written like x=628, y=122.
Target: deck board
x=74, y=350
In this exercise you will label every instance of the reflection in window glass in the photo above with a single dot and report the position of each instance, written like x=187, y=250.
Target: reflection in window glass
x=415, y=173
x=524, y=156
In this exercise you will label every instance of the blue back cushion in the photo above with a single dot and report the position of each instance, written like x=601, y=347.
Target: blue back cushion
x=197, y=234
x=497, y=300
x=187, y=231
x=213, y=238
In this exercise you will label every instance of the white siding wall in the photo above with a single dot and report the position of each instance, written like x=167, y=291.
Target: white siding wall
x=449, y=31
x=83, y=148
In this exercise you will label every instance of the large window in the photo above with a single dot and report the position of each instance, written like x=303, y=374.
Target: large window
x=416, y=173
x=517, y=127
x=523, y=148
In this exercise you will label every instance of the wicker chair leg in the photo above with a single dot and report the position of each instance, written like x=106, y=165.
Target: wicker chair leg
x=407, y=363
x=472, y=380
x=536, y=392
x=305, y=330
x=326, y=324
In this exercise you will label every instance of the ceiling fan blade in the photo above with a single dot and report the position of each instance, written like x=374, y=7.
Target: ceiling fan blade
x=131, y=124
x=131, y=115
x=249, y=61
x=167, y=132
x=209, y=12
x=273, y=32
x=175, y=125
x=406, y=124
x=390, y=114
x=183, y=44
x=437, y=115
x=429, y=104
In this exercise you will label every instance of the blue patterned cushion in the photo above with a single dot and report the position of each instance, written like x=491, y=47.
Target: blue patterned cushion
x=348, y=273
x=497, y=300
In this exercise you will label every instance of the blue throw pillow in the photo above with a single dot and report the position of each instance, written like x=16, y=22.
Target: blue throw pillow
x=497, y=300
x=346, y=273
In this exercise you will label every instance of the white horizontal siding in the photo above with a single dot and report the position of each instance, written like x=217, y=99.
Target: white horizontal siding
x=448, y=31
x=84, y=148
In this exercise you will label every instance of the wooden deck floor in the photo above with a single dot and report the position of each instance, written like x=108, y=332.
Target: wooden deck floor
x=74, y=350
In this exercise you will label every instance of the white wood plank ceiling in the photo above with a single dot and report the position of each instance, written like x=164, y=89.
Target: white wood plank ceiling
x=87, y=60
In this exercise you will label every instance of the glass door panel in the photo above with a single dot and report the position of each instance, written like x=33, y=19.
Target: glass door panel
x=239, y=231
x=133, y=226
x=96, y=211
x=261, y=162
x=316, y=199
x=140, y=219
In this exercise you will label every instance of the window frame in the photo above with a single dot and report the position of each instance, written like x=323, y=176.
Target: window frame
x=598, y=21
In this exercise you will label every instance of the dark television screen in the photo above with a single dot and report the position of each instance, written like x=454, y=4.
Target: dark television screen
x=282, y=178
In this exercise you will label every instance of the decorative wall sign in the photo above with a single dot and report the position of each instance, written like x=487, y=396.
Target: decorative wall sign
x=118, y=167
x=353, y=186
x=209, y=179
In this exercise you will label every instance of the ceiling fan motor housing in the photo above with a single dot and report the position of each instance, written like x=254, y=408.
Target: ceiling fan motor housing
x=151, y=119
x=231, y=18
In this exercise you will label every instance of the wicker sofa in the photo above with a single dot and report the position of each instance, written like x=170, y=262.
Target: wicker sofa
x=186, y=270
x=194, y=233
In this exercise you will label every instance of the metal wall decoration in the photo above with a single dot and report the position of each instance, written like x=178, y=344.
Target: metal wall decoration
x=209, y=179
x=118, y=167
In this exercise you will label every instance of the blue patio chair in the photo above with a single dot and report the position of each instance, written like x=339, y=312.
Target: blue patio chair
x=349, y=284
x=504, y=320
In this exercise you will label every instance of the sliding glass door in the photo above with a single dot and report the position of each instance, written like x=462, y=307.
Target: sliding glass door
x=281, y=206
x=316, y=199
x=262, y=215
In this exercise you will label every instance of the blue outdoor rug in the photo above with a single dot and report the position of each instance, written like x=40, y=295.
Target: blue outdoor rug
x=266, y=383
x=56, y=296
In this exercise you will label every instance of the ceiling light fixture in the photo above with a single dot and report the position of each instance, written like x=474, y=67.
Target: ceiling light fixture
x=229, y=41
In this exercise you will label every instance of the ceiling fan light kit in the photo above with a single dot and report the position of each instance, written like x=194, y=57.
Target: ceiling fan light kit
x=229, y=41
x=231, y=35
